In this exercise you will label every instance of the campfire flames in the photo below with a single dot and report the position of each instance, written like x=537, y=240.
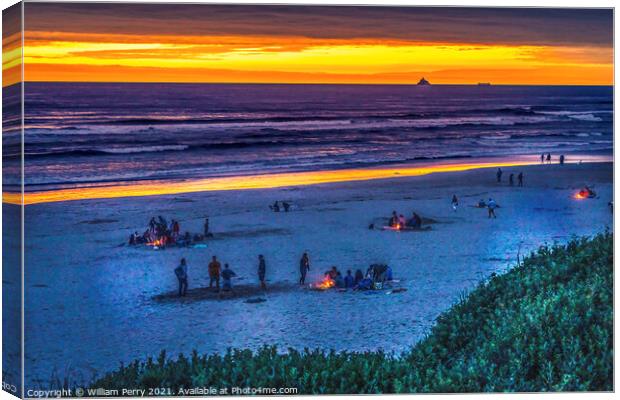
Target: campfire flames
x=326, y=283
x=157, y=243
x=580, y=195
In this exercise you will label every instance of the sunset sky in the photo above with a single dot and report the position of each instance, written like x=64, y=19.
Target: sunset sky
x=288, y=44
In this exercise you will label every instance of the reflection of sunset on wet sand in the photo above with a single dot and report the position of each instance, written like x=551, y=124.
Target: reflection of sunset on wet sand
x=264, y=181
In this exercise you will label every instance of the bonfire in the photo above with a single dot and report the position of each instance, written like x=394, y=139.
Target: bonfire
x=326, y=283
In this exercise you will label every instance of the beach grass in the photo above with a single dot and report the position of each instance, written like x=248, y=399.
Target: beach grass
x=545, y=325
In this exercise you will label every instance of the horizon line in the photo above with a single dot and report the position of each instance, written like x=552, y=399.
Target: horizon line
x=484, y=83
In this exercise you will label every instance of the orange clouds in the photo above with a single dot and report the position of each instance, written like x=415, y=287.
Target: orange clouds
x=140, y=58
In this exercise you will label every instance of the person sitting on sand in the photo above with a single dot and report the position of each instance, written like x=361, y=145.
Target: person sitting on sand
x=364, y=284
x=214, y=273
x=491, y=206
x=481, y=204
x=455, y=202
x=359, y=275
x=304, y=267
x=339, y=281
x=276, y=206
x=181, y=273
x=393, y=219
x=415, y=221
x=227, y=275
x=349, y=280
x=401, y=221
x=262, y=270
x=332, y=273
x=378, y=272
x=286, y=206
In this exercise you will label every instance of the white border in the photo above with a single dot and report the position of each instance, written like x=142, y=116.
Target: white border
x=478, y=3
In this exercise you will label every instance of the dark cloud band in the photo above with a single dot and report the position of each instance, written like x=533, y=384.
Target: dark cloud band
x=531, y=26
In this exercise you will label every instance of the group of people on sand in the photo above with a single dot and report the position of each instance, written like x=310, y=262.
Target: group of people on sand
x=400, y=222
x=158, y=231
x=511, y=177
x=220, y=278
x=547, y=158
x=218, y=274
x=277, y=206
x=162, y=234
x=375, y=276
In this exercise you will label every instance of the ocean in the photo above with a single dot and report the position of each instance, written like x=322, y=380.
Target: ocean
x=88, y=134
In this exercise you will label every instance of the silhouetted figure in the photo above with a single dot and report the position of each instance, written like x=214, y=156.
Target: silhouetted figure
x=511, y=179
x=562, y=159
x=276, y=206
x=214, y=273
x=499, y=175
x=542, y=158
x=491, y=206
x=181, y=273
x=520, y=179
x=206, y=227
x=394, y=219
x=359, y=275
x=548, y=158
x=262, y=270
x=455, y=203
x=286, y=206
x=349, y=280
x=304, y=267
x=227, y=275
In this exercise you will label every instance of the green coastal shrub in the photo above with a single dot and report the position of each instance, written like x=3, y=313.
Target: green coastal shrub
x=546, y=325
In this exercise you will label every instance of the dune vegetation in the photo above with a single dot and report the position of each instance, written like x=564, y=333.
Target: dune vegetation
x=545, y=325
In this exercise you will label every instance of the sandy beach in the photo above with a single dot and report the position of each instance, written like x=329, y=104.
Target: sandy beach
x=92, y=301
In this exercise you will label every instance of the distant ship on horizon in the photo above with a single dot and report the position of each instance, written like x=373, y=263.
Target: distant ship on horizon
x=484, y=83
x=423, y=82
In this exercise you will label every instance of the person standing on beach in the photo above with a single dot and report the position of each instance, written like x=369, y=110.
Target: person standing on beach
x=548, y=158
x=304, y=267
x=455, y=202
x=214, y=273
x=492, y=205
x=181, y=273
x=262, y=270
x=562, y=159
x=227, y=275
x=520, y=178
x=499, y=175
x=542, y=158
x=206, y=227
x=511, y=179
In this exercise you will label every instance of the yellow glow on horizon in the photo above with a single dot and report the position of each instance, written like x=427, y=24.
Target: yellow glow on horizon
x=236, y=58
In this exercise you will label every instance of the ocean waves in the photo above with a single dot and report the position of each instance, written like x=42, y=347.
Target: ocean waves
x=120, y=132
